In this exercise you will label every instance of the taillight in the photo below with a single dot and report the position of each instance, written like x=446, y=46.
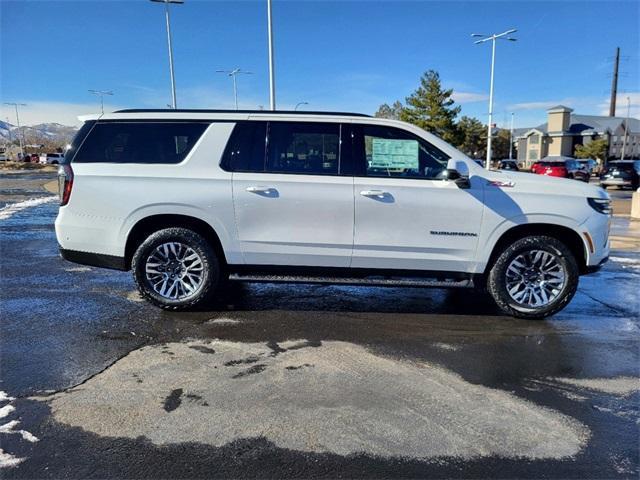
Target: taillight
x=65, y=183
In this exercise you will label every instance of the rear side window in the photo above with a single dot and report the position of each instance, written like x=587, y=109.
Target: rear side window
x=246, y=148
x=139, y=142
x=308, y=148
x=79, y=137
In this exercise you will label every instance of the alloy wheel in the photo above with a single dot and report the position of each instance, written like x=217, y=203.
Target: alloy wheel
x=535, y=278
x=175, y=271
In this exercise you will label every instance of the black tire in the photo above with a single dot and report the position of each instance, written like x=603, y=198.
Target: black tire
x=496, y=280
x=210, y=272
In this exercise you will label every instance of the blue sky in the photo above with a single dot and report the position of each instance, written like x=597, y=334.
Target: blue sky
x=336, y=55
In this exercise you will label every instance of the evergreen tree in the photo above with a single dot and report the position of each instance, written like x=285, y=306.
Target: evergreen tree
x=391, y=112
x=431, y=107
x=473, y=137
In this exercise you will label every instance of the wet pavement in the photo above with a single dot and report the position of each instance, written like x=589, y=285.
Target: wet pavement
x=304, y=381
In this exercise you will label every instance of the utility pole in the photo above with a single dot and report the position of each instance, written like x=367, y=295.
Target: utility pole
x=614, y=84
x=493, y=39
x=272, y=80
x=626, y=129
x=101, y=94
x=233, y=73
x=170, y=45
x=511, y=139
x=21, y=139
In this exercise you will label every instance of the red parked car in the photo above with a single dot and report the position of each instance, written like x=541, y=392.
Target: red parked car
x=561, y=167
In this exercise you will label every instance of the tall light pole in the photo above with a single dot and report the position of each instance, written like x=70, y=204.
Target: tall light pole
x=626, y=129
x=300, y=103
x=511, y=139
x=20, y=131
x=101, y=94
x=169, y=42
x=233, y=73
x=492, y=38
x=272, y=80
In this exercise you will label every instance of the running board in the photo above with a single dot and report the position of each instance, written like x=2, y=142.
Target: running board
x=378, y=281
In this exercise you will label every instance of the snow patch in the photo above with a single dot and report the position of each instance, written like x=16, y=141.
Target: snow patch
x=222, y=321
x=9, y=210
x=4, y=397
x=7, y=460
x=9, y=428
x=614, y=386
x=632, y=261
x=6, y=410
x=446, y=346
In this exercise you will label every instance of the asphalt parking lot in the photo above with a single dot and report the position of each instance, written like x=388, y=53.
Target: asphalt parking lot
x=304, y=381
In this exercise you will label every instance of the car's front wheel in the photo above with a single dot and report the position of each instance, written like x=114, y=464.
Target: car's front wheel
x=534, y=277
x=176, y=269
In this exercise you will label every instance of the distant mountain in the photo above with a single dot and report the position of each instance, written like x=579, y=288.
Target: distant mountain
x=41, y=133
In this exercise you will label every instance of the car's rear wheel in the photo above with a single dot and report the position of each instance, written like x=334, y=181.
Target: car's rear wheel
x=534, y=277
x=176, y=269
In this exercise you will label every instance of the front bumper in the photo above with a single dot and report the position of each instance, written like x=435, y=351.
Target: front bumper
x=596, y=268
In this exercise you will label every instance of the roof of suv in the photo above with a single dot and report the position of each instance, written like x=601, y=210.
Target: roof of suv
x=272, y=112
x=223, y=115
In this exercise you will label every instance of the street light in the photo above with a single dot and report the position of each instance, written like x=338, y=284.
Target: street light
x=233, y=73
x=272, y=80
x=101, y=94
x=168, y=20
x=300, y=103
x=492, y=38
x=21, y=140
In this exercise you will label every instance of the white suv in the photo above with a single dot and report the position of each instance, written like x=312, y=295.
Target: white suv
x=51, y=158
x=190, y=198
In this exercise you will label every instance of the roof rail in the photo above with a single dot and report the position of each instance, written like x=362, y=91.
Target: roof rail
x=287, y=112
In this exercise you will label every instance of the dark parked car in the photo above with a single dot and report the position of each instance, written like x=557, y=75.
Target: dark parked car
x=590, y=164
x=561, y=167
x=623, y=173
x=509, y=165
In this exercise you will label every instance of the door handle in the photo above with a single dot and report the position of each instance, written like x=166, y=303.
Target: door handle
x=373, y=193
x=259, y=189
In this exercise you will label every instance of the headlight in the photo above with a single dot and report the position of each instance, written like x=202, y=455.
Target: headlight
x=600, y=205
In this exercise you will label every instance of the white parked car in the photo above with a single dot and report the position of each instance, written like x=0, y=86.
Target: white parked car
x=187, y=199
x=52, y=158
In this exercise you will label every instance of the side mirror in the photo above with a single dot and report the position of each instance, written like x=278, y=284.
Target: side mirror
x=458, y=172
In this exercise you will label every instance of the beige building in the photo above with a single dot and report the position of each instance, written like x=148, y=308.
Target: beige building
x=564, y=130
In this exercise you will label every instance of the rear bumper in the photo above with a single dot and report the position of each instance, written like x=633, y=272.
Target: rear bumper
x=610, y=182
x=94, y=259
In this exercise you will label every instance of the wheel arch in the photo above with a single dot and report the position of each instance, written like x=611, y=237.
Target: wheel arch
x=148, y=225
x=566, y=235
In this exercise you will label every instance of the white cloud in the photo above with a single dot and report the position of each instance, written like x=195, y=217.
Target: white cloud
x=469, y=97
x=65, y=113
x=538, y=105
x=621, y=105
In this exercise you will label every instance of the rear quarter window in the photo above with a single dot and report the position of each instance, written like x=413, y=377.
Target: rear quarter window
x=139, y=142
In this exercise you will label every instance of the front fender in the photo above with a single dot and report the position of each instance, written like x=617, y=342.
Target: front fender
x=491, y=237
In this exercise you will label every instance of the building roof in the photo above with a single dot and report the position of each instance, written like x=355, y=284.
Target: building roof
x=588, y=124
x=559, y=108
